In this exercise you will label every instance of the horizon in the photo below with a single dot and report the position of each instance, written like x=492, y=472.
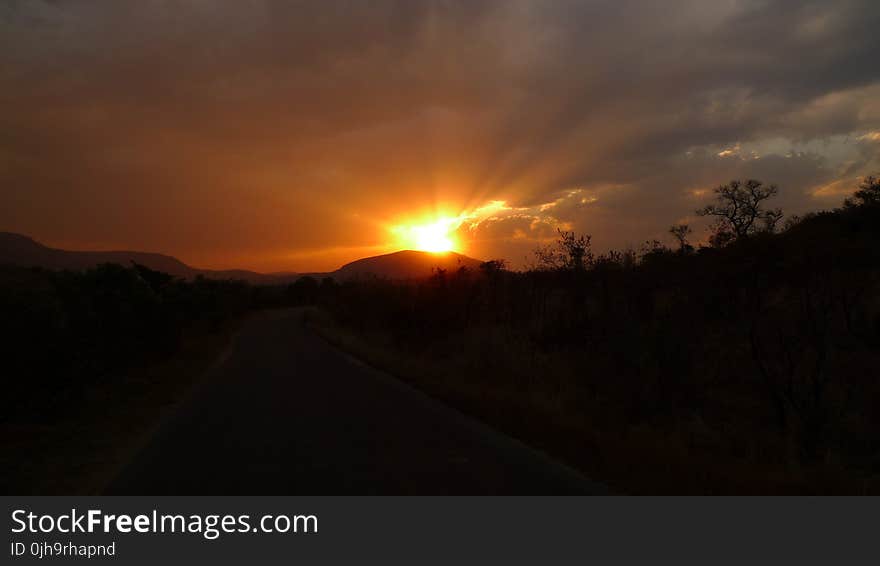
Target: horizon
x=234, y=268
x=299, y=137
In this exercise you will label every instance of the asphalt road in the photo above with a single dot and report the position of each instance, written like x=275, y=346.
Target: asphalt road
x=285, y=413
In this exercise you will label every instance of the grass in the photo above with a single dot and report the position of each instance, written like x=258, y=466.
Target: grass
x=82, y=449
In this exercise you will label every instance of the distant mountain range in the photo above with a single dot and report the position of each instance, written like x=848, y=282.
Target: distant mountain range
x=17, y=249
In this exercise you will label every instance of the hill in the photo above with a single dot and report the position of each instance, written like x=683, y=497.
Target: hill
x=16, y=249
x=407, y=264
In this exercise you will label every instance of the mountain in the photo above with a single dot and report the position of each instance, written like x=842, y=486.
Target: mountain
x=21, y=250
x=406, y=264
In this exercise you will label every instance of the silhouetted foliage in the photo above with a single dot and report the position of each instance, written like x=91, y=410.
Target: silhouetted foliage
x=769, y=348
x=570, y=251
x=740, y=211
x=652, y=248
x=868, y=193
x=155, y=279
x=61, y=331
x=681, y=232
x=493, y=267
x=303, y=291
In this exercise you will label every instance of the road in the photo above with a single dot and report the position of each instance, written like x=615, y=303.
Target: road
x=286, y=413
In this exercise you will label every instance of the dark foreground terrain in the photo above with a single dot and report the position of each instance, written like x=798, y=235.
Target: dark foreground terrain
x=288, y=413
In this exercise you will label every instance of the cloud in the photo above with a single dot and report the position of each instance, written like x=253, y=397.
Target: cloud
x=202, y=128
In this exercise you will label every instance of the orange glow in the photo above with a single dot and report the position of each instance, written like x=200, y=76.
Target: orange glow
x=436, y=236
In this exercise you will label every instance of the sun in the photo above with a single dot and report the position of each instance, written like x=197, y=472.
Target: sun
x=435, y=237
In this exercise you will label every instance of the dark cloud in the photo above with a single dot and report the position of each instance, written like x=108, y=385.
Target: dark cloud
x=260, y=131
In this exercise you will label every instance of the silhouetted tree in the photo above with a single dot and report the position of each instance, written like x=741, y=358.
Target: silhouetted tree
x=570, y=251
x=868, y=193
x=576, y=249
x=653, y=248
x=157, y=280
x=740, y=211
x=546, y=258
x=791, y=222
x=681, y=232
x=493, y=267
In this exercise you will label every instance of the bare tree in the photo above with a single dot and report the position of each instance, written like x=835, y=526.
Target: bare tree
x=740, y=211
x=681, y=232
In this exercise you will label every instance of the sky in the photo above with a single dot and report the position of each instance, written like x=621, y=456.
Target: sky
x=285, y=135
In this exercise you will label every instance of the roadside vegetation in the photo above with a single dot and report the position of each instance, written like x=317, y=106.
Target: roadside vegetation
x=92, y=359
x=749, y=365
